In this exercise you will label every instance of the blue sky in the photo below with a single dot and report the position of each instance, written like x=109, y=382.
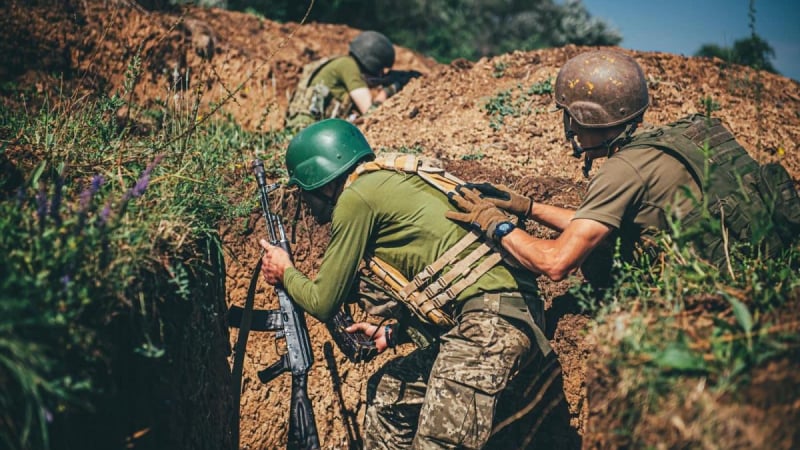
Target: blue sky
x=682, y=26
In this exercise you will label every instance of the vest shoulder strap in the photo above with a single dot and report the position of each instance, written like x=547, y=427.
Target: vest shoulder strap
x=407, y=163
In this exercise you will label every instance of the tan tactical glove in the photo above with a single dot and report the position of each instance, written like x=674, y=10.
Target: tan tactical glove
x=478, y=212
x=503, y=197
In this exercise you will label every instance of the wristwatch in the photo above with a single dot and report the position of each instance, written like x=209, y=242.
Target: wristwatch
x=502, y=229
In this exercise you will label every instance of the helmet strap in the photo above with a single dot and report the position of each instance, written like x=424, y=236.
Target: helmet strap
x=609, y=144
x=297, y=208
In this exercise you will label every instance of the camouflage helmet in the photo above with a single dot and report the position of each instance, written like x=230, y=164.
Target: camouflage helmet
x=602, y=88
x=323, y=151
x=373, y=50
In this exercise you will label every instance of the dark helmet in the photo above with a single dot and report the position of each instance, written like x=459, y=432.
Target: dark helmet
x=323, y=151
x=602, y=88
x=373, y=50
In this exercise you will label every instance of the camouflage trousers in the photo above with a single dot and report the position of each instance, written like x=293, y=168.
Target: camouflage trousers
x=446, y=395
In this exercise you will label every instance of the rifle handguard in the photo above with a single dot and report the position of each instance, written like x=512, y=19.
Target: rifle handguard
x=357, y=347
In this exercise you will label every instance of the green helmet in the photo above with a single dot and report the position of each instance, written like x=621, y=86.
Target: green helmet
x=323, y=151
x=602, y=88
x=373, y=51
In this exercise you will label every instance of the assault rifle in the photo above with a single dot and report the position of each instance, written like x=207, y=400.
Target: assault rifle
x=395, y=80
x=402, y=76
x=290, y=324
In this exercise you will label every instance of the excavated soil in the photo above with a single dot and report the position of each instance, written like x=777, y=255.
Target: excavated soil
x=251, y=64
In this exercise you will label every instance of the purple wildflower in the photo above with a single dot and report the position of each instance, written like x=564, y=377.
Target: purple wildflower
x=88, y=193
x=104, y=215
x=65, y=280
x=97, y=183
x=85, y=199
x=144, y=180
x=141, y=185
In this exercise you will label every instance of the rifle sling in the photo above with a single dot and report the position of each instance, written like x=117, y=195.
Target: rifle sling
x=240, y=347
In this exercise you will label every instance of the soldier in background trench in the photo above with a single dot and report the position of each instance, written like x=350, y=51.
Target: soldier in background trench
x=651, y=177
x=484, y=315
x=341, y=86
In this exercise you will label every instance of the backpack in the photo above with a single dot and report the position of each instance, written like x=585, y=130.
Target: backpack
x=311, y=103
x=753, y=204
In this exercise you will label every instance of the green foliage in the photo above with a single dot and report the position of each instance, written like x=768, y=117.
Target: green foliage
x=116, y=203
x=474, y=156
x=61, y=273
x=709, y=105
x=673, y=326
x=751, y=51
x=415, y=149
x=514, y=102
x=499, y=69
x=541, y=87
x=695, y=318
x=450, y=29
x=500, y=106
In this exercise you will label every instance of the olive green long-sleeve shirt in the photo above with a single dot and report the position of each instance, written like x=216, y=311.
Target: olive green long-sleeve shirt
x=400, y=219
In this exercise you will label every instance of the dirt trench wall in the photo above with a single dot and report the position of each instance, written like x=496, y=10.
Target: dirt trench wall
x=443, y=114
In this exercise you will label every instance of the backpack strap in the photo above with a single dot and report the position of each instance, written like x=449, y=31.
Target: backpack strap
x=434, y=268
x=316, y=100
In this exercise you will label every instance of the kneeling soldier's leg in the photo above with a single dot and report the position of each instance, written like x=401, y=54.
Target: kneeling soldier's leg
x=475, y=362
x=394, y=397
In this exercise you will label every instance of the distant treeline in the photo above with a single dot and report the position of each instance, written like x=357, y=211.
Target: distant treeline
x=451, y=29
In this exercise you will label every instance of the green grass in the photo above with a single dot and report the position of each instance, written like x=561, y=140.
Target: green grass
x=107, y=202
x=513, y=102
x=672, y=320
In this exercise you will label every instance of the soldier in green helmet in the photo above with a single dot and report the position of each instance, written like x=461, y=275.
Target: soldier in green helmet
x=650, y=176
x=483, y=315
x=341, y=86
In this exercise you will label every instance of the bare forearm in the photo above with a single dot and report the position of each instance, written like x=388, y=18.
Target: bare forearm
x=537, y=255
x=552, y=217
x=557, y=258
x=362, y=98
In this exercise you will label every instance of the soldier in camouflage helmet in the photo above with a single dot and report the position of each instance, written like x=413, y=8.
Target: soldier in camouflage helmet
x=340, y=86
x=488, y=341
x=650, y=176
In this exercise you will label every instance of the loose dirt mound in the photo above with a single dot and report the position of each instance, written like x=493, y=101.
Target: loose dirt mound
x=445, y=114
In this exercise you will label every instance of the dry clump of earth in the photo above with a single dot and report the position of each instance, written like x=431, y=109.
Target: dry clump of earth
x=251, y=64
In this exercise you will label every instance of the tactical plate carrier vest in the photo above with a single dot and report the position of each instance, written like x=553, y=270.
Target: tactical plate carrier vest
x=428, y=293
x=752, y=203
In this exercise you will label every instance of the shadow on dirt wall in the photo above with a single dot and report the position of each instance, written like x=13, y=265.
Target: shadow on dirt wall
x=180, y=400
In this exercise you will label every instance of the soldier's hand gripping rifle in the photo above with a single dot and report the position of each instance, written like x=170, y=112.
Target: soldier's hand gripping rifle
x=290, y=324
